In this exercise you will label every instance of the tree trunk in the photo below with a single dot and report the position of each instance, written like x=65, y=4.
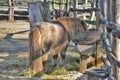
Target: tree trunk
x=116, y=44
x=118, y=40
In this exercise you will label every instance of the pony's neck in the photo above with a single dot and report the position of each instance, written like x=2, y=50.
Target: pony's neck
x=73, y=26
x=67, y=23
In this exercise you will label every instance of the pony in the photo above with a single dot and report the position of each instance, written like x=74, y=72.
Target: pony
x=52, y=38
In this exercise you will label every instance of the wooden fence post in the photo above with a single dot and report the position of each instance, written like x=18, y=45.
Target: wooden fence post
x=98, y=42
x=11, y=10
x=117, y=51
x=67, y=7
x=93, y=13
x=75, y=4
x=53, y=9
x=84, y=7
x=61, y=7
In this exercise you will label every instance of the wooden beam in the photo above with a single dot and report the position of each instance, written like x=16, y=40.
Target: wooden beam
x=87, y=37
x=86, y=50
x=85, y=10
x=90, y=22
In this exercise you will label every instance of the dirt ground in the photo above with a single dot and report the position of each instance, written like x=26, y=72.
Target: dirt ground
x=14, y=53
x=13, y=49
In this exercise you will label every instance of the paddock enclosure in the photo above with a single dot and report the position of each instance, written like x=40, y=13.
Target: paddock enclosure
x=95, y=58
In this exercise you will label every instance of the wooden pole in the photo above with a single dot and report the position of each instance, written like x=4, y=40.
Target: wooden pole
x=109, y=14
x=93, y=13
x=75, y=4
x=83, y=63
x=85, y=3
x=67, y=8
x=11, y=10
x=102, y=4
x=98, y=42
x=61, y=7
x=109, y=18
x=117, y=40
x=53, y=8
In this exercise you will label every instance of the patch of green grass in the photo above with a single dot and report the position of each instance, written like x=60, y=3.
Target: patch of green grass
x=59, y=71
x=3, y=4
x=1, y=60
x=24, y=73
x=71, y=66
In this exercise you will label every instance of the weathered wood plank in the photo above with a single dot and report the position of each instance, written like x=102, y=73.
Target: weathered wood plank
x=14, y=15
x=88, y=37
x=86, y=50
x=85, y=10
x=90, y=22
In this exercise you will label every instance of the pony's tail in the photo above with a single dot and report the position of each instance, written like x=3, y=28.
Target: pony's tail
x=35, y=59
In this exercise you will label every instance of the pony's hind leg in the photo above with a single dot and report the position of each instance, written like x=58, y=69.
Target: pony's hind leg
x=45, y=62
x=62, y=50
x=54, y=57
x=63, y=53
x=63, y=56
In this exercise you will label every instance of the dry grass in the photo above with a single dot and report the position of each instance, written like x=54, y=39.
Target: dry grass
x=15, y=65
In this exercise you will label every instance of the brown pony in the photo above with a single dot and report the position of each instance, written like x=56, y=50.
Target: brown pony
x=52, y=38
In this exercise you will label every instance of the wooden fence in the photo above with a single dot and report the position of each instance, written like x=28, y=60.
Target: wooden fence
x=19, y=8
x=62, y=8
x=14, y=8
x=103, y=18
